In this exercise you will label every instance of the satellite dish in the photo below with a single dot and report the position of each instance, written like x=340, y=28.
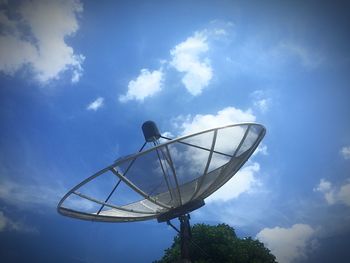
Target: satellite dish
x=170, y=178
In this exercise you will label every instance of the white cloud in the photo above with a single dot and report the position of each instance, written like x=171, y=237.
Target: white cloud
x=344, y=194
x=187, y=57
x=328, y=191
x=226, y=116
x=334, y=195
x=345, y=152
x=288, y=244
x=324, y=186
x=145, y=85
x=245, y=180
x=96, y=104
x=15, y=53
x=42, y=46
x=242, y=182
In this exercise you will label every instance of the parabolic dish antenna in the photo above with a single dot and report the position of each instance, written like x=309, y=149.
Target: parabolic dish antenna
x=165, y=181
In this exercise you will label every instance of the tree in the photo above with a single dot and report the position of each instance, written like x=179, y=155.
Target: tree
x=219, y=244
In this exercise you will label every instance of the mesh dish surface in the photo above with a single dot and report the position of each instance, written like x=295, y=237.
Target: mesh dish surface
x=165, y=177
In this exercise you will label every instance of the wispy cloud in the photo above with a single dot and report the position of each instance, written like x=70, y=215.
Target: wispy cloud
x=262, y=104
x=3, y=221
x=145, y=85
x=288, y=244
x=261, y=101
x=262, y=149
x=308, y=58
x=260, y=56
x=43, y=46
x=7, y=224
x=38, y=196
x=96, y=104
x=332, y=194
x=28, y=194
x=345, y=152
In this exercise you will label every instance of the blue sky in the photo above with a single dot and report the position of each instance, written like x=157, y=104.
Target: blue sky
x=78, y=78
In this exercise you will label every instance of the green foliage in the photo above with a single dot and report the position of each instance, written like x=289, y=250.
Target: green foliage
x=219, y=244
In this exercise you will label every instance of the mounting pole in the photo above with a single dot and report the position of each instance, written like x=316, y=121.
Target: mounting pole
x=185, y=237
